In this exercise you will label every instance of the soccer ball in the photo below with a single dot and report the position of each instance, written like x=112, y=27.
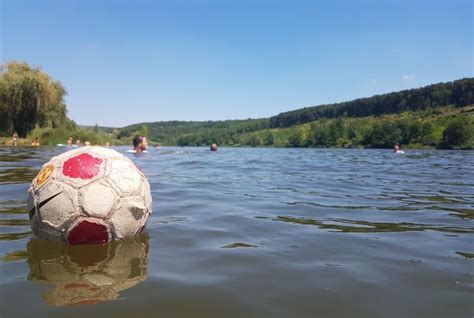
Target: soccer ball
x=90, y=195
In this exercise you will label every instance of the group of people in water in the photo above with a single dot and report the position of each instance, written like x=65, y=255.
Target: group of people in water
x=70, y=142
x=78, y=143
x=15, y=138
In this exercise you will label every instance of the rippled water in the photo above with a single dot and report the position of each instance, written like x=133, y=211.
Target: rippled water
x=258, y=233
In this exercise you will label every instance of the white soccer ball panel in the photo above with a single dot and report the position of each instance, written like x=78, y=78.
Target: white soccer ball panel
x=97, y=199
x=128, y=219
x=106, y=152
x=146, y=194
x=98, y=279
x=126, y=177
x=56, y=204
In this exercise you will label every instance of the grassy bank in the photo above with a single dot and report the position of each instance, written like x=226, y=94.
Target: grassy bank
x=54, y=136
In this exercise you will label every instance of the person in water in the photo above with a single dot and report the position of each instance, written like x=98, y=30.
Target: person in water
x=15, y=139
x=213, y=147
x=69, y=142
x=35, y=142
x=397, y=148
x=140, y=144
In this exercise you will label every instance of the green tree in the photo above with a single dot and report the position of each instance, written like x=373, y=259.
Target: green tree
x=30, y=99
x=426, y=136
x=384, y=135
x=336, y=131
x=296, y=139
x=321, y=135
x=145, y=130
x=254, y=141
x=458, y=133
x=269, y=139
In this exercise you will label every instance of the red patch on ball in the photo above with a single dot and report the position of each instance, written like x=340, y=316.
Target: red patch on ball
x=83, y=166
x=88, y=233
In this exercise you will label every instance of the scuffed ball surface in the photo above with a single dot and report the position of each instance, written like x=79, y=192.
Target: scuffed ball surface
x=90, y=195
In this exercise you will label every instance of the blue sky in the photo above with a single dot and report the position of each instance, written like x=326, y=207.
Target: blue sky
x=125, y=62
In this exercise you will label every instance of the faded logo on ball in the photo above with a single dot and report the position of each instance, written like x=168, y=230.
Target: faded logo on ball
x=93, y=196
x=44, y=175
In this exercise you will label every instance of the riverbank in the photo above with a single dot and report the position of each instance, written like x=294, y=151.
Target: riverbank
x=445, y=127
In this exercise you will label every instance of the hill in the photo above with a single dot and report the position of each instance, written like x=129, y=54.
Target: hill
x=408, y=116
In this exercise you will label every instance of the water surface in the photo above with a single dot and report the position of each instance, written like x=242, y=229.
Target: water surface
x=258, y=233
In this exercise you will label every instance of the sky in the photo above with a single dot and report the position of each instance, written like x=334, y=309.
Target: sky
x=125, y=62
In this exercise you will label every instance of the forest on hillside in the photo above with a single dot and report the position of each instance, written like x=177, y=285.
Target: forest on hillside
x=436, y=116
x=420, y=117
x=458, y=93
x=442, y=127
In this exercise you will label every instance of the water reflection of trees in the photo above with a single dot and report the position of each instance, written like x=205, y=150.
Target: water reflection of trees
x=87, y=274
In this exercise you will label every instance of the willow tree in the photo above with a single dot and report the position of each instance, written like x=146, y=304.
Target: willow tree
x=30, y=98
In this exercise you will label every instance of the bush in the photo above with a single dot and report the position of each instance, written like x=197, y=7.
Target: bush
x=458, y=134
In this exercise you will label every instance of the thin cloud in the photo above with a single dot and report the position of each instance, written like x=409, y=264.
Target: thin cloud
x=408, y=76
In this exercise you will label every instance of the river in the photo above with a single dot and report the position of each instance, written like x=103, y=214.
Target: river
x=258, y=232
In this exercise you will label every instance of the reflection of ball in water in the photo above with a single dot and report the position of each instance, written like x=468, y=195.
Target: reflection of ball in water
x=87, y=274
x=89, y=195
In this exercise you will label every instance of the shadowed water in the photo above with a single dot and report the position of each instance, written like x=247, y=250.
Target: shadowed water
x=258, y=233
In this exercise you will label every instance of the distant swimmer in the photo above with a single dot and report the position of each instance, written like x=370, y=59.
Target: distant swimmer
x=69, y=142
x=35, y=142
x=398, y=149
x=213, y=147
x=15, y=139
x=78, y=142
x=140, y=144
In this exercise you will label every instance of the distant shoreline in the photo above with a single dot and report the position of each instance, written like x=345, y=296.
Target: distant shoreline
x=25, y=143
x=437, y=116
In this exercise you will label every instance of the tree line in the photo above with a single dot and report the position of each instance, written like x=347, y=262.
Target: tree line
x=29, y=99
x=373, y=131
x=458, y=93
x=195, y=133
x=444, y=132
x=443, y=127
